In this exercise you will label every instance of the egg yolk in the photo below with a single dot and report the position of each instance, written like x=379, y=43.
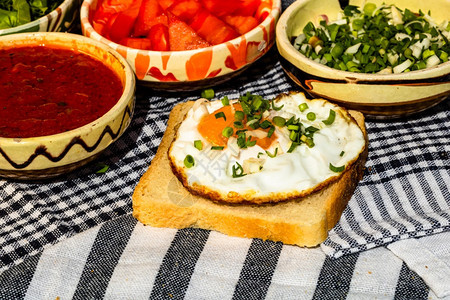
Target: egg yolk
x=211, y=127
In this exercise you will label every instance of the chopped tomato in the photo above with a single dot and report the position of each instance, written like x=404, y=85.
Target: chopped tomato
x=211, y=28
x=183, y=37
x=105, y=11
x=159, y=37
x=137, y=43
x=185, y=9
x=247, y=7
x=123, y=25
x=263, y=10
x=149, y=14
x=221, y=7
x=165, y=4
x=241, y=24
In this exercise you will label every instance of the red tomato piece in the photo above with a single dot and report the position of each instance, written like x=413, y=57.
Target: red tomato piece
x=150, y=14
x=137, y=43
x=221, y=7
x=241, y=24
x=159, y=37
x=247, y=7
x=185, y=9
x=105, y=10
x=211, y=28
x=263, y=10
x=183, y=37
x=165, y=4
x=123, y=25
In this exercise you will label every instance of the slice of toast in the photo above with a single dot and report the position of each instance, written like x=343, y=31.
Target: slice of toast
x=160, y=200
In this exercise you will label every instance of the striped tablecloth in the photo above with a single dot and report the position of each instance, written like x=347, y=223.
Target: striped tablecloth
x=74, y=236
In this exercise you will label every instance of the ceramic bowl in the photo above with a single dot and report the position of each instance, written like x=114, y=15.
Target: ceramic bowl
x=376, y=95
x=62, y=19
x=192, y=69
x=53, y=155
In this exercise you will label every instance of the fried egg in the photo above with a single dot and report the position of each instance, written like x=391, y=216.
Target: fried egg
x=259, y=151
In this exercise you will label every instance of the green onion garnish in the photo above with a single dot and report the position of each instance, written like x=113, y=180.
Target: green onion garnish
x=274, y=154
x=276, y=108
x=311, y=116
x=198, y=144
x=220, y=115
x=271, y=131
x=189, y=161
x=227, y=132
x=293, y=135
x=303, y=107
x=342, y=153
x=336, y=169
x=208, y=94
x=292, y=147
x=225, y=101
x=217, y=147
x=238, y=124
x=331, y=118
x=238, y=171
x=293, y=127
x=103, y=168
x=279, y=121
x=239, y=115
x=265, y=124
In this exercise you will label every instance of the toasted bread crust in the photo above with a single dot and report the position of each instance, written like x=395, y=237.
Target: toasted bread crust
x=160, y=200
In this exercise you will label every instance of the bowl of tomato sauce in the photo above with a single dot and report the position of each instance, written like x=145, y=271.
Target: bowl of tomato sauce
x=38, y=16
x=183, y=44
x=65, y=98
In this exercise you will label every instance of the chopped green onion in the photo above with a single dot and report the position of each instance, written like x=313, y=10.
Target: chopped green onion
x=303, y=107
x=238, y=124
x=342, y=153
x=336, y=169
x=265, y=124
x=331, y=118
x=293, y=135
x=239, y=115
x=189, y=161
x=275, y=107
x=227, y=132
x=274, y=154
x=238, y=171
x=311, y=116
x=208, y=94
x=217, y=147
x=271, y=131
x=279, y=121
x=103, y=168
x=292, y=147
x=225, y=101
x=220, y=115
x=198, y=144
x=293, y=127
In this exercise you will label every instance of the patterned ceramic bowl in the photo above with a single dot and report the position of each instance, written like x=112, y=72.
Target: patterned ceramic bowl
x=52, y=155
x=61, y=19
x=376, y=95
x=192, y=69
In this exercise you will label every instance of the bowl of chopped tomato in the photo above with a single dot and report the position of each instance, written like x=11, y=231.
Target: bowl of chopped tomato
x=183, y=44
x=388, y=59
x=65, y=98
x=18, y=16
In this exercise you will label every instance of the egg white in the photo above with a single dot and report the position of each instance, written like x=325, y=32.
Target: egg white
x=269, y=179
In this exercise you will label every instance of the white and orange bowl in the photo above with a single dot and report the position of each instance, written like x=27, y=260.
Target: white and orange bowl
x=382, y=96
x=41, y=157
x=191, y=69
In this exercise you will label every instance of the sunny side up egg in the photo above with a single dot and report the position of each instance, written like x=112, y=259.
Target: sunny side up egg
x=259, y=151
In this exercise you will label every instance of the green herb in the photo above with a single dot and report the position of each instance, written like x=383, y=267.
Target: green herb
x=220, y=115
x=376, y=39
x=18, y=12
x=198, y=144
x=274, y=154
x=239, y=115
x=303, y=107
x=331, y=118
x=311, y=116
x=225, y=101
x=336, y=169
x=189, y=161
x=208, y=94
x=342, y=153
x=103, y=168
x=279, y=121
x=217, y=147
x=227, y=132
x=238, y=170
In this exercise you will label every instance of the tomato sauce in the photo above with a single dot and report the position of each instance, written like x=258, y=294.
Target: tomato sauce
x=45, y=91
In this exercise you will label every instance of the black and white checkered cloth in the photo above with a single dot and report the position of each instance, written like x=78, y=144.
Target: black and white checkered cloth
x=404, y=193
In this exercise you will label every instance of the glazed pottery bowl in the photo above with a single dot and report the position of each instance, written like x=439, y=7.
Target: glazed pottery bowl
x=191, y=69
x=376, y=95
x=52, y=155
x=62, y=19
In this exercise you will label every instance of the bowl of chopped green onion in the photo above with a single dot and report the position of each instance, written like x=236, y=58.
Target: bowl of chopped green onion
x=386, y=59
x=17, y=16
